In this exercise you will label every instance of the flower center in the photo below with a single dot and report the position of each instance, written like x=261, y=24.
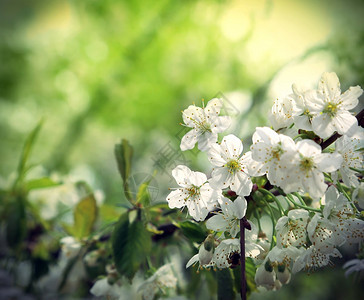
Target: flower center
x=233, y=166
x=204, y=126
x=277, y=152
x=193, y=191
x=331, y=109
x=306, y=164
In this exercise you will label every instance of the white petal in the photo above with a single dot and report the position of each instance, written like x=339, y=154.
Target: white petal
x=205, y=140
x=251, y=166
x=177, y=198
x=182, y=175
x=192, y=261
x=220, y=178
x=189, y=140
x=350, y=98
x=322, y=125
x=241, y=184
x=344, y=122
x=213, y=107
x=329, y=85
x=328, y=162
x=220, y=124
x=217, y=223
x=232, y=146
x=266, y=135
x=240, y=207
x=308, y=148
x=216, y=156
x=314, y=184
x=197, y=211
x=191, y=115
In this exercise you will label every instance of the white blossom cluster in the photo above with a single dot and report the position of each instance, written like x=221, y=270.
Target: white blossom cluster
x=306, y=237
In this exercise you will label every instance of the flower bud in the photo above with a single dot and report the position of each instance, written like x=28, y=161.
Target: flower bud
x=265, y=278
x=206, y=250
x=284, y=276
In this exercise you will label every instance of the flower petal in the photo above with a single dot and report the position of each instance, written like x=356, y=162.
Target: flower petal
x=189, y=140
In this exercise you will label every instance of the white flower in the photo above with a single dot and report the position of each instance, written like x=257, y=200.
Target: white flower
x=352, y=158
x=321, y=234
x=354, y=265
x=161, y=279
x=230, y=168
x=302, y=114
x=281, y=115
x=312, y=258
x=286, y=256
x=332, y=113
x=310, y=165
x=291, y=229
x=205, y=123
x=229, y=219
x=276, y=152
x=194, y=192
x=224, y=252
x=102, y=288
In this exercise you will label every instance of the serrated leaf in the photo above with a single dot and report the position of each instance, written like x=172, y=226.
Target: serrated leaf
x=124, y=155
x=40, y=183
x=131, y=244
x=84, y=217
x=193, y=231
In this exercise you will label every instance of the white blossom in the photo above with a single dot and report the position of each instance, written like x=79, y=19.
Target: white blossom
x=291, y=229
x=349, y=148
x=312, y=258
x=310, y=163
x=332, y=112
x=229, y=218
x=229, y=166
x=276, y=152
x=205, y=123
x=194, y=192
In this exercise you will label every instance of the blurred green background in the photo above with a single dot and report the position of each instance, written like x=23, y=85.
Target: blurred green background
x=97, y=71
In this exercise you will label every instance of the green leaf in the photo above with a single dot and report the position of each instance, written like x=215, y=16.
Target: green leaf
x=193, y=231
x=28, y=145
x=225, y=285
x=84, y=217
x=143, y=196
x=40, y=183
x=131, y=244
x=124, y=155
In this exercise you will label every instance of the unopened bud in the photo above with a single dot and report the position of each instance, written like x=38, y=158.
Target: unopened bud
x=265, y=278
x=284, y=276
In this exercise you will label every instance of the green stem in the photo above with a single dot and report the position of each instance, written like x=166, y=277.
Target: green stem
x=273, y=222
x=290, y=198
x=266, y=192
x=342, y=190
x=300, y=198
